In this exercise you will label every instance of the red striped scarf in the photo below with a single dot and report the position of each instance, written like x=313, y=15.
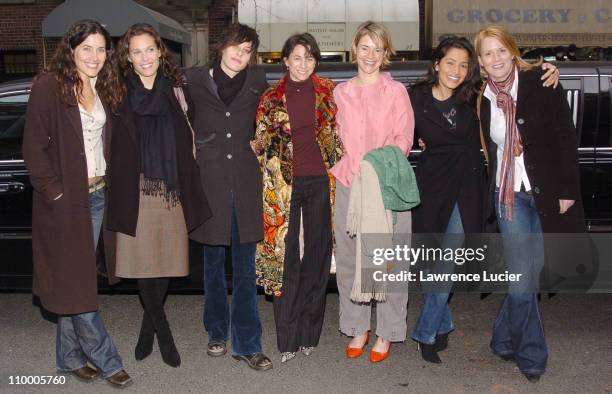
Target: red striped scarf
x=512, y=146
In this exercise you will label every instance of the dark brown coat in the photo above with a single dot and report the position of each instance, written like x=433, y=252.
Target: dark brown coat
x=65, y=275
x=228, y=167
x=450, y=170
x=546, y=128
x=123, y=171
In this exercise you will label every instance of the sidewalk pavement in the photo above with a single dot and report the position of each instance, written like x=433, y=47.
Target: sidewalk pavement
x=578, y=331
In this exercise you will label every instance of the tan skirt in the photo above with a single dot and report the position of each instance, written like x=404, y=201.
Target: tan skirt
x=160, y=248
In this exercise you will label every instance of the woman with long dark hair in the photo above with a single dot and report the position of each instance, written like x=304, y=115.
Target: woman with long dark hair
x=65, y=147
x=297, y=143
x=530, y=144
x=155, y=195
x=450, y=174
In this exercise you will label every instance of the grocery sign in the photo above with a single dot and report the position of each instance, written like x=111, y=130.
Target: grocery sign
x=532, y=22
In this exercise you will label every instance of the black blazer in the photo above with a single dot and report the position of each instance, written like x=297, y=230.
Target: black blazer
x=229, y=169
x=450, y=170
x=546, y=128
x=123, y=170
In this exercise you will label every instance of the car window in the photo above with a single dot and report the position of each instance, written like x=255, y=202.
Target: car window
x=12, y=122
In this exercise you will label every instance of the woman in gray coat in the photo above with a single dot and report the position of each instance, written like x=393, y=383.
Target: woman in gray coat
x=226, y=95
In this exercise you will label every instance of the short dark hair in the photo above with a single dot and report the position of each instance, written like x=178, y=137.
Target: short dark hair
x=306, y=40
x=237, y=34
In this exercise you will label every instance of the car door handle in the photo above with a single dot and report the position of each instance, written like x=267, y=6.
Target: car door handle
x=11, y=187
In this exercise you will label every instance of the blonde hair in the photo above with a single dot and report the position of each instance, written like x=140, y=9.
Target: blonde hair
x=379, y=34
x=506, y=39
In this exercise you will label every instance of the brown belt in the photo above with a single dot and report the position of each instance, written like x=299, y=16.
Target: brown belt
x=99, y=184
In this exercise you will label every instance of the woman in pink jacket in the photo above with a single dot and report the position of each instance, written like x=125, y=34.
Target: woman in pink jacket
x=373, y=111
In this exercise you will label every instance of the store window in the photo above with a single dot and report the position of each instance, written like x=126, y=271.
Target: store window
x=18, y=63
x=12, y=122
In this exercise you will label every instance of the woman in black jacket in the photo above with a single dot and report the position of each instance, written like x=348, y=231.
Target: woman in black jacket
x=226, y=95
x=450, y=174
x=530, y=143
x=155, y=197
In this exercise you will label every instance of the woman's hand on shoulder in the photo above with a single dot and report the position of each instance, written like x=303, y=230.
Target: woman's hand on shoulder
x=551, y=76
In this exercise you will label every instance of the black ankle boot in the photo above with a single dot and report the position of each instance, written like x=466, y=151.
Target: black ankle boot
x=429, y=353
x=441, y=342
x=144, y=347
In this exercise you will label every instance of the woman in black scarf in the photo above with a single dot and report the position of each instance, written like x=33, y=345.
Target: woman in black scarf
x=155, y=196
x=226, y=95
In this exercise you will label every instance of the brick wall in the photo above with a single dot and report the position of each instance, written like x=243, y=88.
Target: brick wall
x=21, y=27
x=219, y=18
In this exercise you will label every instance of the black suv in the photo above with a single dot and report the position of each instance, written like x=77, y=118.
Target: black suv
x=588, y=87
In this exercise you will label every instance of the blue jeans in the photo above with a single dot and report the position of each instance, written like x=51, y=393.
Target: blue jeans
x=243, y=315
x=83, y=337
x=518, y=329
x=435, y=318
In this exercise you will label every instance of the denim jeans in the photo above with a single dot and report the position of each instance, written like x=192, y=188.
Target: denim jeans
x=83, y=337
x=243, y=315
x=518, y=329
x=435, y=318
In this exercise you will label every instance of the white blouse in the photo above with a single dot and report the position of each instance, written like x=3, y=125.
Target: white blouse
x=498, y=135
x=93, y=124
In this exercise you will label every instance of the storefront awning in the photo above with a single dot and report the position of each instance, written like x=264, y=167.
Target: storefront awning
x=115, y=15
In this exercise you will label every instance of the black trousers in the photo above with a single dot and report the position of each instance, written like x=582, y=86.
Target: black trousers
x=299, y=310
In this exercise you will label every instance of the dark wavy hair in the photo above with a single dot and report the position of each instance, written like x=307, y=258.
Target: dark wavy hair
x=123, y=66
x=62, y=64
x=468, y=89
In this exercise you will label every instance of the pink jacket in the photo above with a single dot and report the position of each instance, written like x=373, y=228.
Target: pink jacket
x=370, y=117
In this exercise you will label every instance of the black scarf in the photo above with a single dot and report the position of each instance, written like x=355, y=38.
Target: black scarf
x=158, y=161
x=227, y=87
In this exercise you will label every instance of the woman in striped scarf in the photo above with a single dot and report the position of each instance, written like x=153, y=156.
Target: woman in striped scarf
x=530, y=144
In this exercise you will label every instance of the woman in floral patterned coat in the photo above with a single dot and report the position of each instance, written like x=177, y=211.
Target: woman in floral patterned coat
x=295, y=158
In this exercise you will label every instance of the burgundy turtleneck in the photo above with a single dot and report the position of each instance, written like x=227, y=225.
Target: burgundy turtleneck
x=307, y=159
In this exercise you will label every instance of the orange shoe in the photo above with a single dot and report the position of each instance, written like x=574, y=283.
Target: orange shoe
x=355, y=352
x=377, y=357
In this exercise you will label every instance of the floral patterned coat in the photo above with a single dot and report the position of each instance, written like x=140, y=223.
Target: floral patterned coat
x=274, y=151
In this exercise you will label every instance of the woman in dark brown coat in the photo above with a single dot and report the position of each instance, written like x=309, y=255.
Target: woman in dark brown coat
x=155, y=195
x=66, y=139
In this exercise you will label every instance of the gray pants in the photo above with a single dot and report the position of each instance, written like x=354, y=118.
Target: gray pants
x=355, y=317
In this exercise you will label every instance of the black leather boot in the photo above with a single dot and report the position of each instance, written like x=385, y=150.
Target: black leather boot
x=429, y=353
x=153, y=298
x=144, y=346
x=441, y=342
